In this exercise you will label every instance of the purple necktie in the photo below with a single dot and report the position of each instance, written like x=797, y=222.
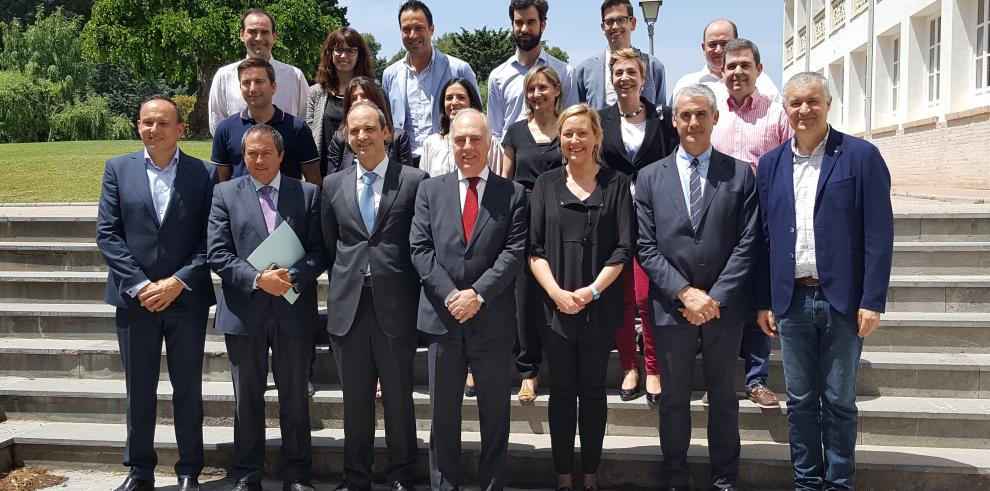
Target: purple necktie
x=267, y=207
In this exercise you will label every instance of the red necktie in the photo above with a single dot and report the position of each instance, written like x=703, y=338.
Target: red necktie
x=470, y=213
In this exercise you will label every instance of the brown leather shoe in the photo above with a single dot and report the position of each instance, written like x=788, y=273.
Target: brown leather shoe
x=763, y=396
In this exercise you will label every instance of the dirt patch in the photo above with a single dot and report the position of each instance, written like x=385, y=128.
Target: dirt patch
x=29, y=479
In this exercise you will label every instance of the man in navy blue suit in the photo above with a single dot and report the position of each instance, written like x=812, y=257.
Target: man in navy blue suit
x=151, y=230
x=253, y=314
x=822, y=282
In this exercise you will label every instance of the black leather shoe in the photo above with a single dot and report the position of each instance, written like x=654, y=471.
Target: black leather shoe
x=653, y=400
x=346, y=486
x=135, y=484
x=470, y=391
x=628, y=394
x=399, y=486
x=300, y=485
x=246, y=486
x=188, y=484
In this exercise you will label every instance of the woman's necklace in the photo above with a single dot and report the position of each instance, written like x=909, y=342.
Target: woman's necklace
x=632, y=114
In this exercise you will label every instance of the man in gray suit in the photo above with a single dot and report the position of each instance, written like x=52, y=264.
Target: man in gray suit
x=253, y=314
x=468, y=242
x=367, y=212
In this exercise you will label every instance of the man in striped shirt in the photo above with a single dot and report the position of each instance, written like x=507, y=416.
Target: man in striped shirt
x=750, y=124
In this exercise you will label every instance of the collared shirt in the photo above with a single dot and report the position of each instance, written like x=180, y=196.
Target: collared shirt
x=748, y=131
x=275, y=184
x=300, y=149
x=376, y=187
x=419, y=100
x=763, y=83
x=807, y=169
x=683, y=160
x=291, y=92
x=464, y=185
x=507, y=96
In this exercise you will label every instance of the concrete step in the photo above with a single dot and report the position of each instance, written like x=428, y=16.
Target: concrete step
x=58, y=223
x=900, y=421
x=627, y=462
x=50, y=255
x=880, y=374
x=942, y=226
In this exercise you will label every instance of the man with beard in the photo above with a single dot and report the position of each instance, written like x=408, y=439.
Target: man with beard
x=506, y=94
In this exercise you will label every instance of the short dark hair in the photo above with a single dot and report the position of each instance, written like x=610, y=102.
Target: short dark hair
x=159, y=97
x=265, y=130
x=256, y=63
x=607, y=4
x=735, y=30
x=264, y=12
x=414, y=5
x=741, y=44
x=473, y=97
x=541, y=7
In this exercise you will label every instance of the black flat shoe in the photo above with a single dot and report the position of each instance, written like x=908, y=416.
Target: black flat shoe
x=469, y=391
x=652, y=400
x=628, y=394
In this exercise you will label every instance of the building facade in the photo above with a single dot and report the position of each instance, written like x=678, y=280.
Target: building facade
x=923, y=97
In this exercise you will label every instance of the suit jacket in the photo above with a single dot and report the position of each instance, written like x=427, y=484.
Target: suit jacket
x=590, y=78
x=137, y=247
x=488, y=261
x=659, y=141
x=853, y=221
x=719, y=257
x=351, y=247
x=237, y=228
x=445, y=67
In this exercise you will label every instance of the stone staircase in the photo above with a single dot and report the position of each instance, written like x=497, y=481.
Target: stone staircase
x=924, y=386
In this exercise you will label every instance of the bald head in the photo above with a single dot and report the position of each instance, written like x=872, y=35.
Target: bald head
x=471, y=135
x=717, y=34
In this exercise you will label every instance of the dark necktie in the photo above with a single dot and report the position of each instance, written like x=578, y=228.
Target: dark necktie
x=695, y=186
x=470, y=213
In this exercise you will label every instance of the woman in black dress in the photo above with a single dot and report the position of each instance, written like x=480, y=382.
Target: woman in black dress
x=531, y=148
x=581, y=218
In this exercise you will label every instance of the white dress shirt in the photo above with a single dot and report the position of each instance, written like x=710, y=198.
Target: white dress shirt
x=291, y=92
x=683, y=160
x=807, y=169
x=704, y=76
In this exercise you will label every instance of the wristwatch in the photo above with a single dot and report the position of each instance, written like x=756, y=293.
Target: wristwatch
x=595, y=294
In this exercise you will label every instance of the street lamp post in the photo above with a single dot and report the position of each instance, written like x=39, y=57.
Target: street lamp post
x=651, y=10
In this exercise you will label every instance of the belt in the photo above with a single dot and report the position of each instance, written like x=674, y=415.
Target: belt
x=806, y=281
x=367, y=281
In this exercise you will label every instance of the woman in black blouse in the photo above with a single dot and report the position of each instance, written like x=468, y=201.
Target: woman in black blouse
x=531, y=147
x=339, y=155
x=581, y=219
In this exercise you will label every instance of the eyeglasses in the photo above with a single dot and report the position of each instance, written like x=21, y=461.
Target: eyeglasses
x=712, y=45
x=345, y=51
x=620, y=21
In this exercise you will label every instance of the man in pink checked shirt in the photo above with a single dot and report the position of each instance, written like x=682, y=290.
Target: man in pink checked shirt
x=750, y=124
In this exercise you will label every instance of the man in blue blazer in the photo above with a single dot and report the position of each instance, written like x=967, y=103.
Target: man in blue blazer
x=413, y=84
x=151, y=230
x=468, y=241
x=253, y=314
x=698, y=244
x=822, y=282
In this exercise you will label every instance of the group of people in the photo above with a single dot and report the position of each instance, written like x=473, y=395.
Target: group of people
x=539, y=232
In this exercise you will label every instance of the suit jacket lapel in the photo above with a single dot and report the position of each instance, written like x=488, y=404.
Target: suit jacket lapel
x=671, y=182
x=143, y=185
x=612, y=128
x=288, y=201
x=832, y=152
x=652, y=133
x=784, y=177
x=718, y=171
x=454, y=195
x=252, y=205
x=182, y=174
x=493, y=191
x=350, y=196
x=390, y=188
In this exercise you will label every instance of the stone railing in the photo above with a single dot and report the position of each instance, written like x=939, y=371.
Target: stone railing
x=859, y=6
x=802, y=41
x=788, y=51
x=819, y=28
x=838, y=14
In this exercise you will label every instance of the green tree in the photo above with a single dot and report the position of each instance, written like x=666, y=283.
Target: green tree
x=24, y=106
x=49, y=49
x=185, y=41
x=484, y=49
x=25, y=10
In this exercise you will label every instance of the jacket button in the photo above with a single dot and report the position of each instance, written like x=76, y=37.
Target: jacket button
x=792, y=230
x=791, y=255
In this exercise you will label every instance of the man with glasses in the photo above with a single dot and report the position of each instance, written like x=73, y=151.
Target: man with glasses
x=592, y=77
x=259, y=36
x=717, y=34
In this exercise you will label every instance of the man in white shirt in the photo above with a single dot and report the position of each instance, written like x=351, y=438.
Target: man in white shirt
x=258, y=35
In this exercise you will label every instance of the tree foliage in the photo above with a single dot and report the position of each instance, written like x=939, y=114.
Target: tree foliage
x=124, y=91
x=49, y=49
x=484, y=49
x=24, y=106
x=90, y=119
x=25, y=10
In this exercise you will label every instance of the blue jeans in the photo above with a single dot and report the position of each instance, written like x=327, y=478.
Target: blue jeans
x=821, y=349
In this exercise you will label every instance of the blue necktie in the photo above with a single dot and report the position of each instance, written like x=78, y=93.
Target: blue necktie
x=367, y=200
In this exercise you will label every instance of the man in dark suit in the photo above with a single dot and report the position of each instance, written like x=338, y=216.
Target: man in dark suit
x=151, y=230
x=367, y=212
x=253, y=314
x=468, y=242
x=822, y=283
x=698, y=243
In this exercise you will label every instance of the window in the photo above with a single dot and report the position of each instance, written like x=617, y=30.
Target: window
x=983, y=46
x=934, y=59
x=895, y=74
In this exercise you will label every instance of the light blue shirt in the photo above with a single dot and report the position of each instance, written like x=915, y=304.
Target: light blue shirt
x=419, y=98
x=684, y=169
x=507, y=96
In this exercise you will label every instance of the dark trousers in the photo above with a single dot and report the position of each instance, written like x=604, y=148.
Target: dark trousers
x=755, y=352
x=677, y=353
x=578, y=367
x=364, y=355
x=290, y=369
x=490, y=360
x=140, y=334
x=529, y=317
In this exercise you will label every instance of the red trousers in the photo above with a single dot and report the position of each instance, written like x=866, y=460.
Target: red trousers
x=637, y=289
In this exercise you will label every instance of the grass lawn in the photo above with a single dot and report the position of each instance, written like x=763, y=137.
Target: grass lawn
x=65, y=171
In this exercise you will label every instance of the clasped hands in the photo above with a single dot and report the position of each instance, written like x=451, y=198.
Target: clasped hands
x=464, y=304
x=698, y=307
x=158, y=295
x=572, y=302
x=275, y=282
x=867, y=321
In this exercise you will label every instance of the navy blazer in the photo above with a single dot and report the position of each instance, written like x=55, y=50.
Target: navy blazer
x=137, y=247
x=488, y=261
x=854, y=226
x=237, y=228
x=351, y=247
x=719, y=257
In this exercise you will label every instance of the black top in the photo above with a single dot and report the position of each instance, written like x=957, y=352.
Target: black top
x=659, y=141
x=579, y=238
x=532, y=158
x=333, y=115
